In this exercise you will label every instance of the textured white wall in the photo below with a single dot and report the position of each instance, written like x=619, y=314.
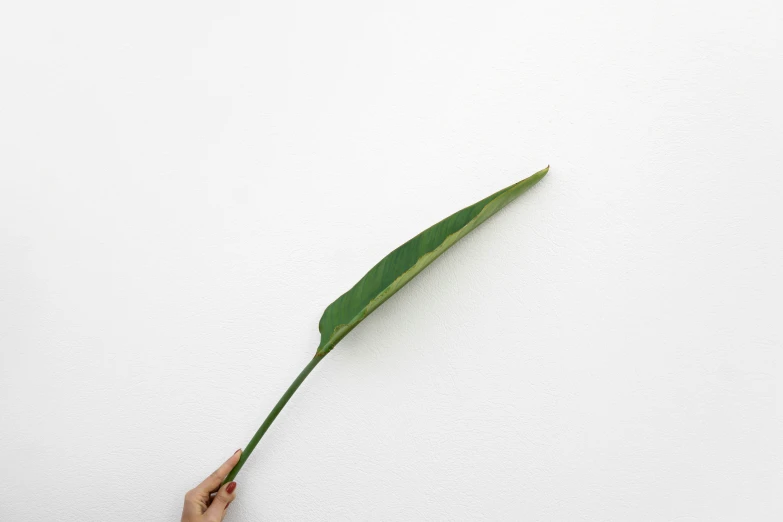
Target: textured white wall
x=185, y=186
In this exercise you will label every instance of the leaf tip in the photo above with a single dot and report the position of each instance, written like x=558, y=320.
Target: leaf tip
x=535, y=178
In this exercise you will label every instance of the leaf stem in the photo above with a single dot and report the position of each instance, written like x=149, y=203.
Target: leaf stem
x=272, y=416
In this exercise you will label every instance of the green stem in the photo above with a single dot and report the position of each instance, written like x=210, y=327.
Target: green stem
x=272, y=416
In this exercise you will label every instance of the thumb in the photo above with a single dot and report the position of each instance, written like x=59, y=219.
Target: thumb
x=225, y=495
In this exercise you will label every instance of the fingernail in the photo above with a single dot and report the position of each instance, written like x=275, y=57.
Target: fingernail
x=231, y=487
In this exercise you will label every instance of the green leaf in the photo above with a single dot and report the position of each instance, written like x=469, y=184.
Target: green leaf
x=403, y=264
x=383, y=280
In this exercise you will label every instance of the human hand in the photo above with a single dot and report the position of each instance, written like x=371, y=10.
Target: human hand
x=200, y=503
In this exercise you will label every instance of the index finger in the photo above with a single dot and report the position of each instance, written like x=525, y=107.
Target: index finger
x=212, y=482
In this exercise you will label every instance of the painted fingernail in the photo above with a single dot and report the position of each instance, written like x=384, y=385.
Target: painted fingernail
x=231, y=487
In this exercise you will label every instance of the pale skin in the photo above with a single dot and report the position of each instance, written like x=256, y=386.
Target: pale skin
x=208, y=501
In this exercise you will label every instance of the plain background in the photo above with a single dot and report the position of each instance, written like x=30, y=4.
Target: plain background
x=186, y=185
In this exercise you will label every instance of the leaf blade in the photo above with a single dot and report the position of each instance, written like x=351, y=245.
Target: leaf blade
x=402, y=264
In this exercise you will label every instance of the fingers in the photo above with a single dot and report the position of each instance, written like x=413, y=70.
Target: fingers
x=212, y=482
x=217, y=509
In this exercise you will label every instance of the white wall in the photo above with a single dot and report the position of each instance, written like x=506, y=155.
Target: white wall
x=185, y=186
